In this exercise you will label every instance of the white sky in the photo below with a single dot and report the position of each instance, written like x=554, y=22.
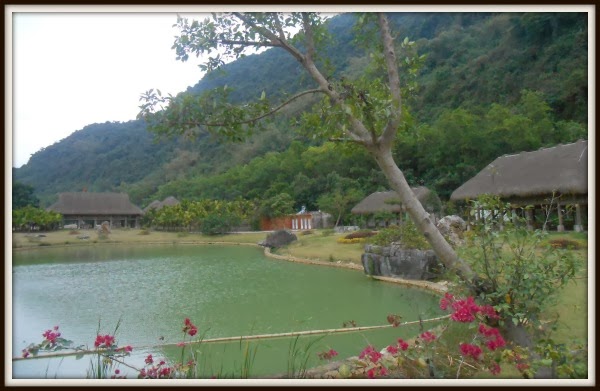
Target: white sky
x=72, y=70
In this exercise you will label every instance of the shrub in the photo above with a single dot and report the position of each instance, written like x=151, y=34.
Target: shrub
x=144, y=232
x=351, y=241
x=217, y=224
x=363, y=233
x=407, y=235
x=73, y=232
x=306, y=232
x=564, y=243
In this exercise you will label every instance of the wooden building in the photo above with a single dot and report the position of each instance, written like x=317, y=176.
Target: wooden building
x=90, y=209
x=551, y=179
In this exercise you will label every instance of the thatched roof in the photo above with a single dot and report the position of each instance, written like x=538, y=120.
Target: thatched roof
x=169, y=201
x=561, y=169
x=153, y=205
x=85, y=203
x=387, y=201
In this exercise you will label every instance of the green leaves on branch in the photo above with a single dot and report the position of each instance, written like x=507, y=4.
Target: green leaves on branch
x=524, y=273
x=212, y=112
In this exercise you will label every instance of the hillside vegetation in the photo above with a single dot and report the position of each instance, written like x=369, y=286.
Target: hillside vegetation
x=491, y=83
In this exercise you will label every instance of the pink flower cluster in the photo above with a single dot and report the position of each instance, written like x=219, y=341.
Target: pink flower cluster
x=494, y=339
x=471, y=350
x=189, y=327
x=377, y=372
x=161, y=370
x=328, y=355
x=104, y=341
x=370, y=353
x=428, y=336
x=51, y=335
x=402, y=344
x=465, y=310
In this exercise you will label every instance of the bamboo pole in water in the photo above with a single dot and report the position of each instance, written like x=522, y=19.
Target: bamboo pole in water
x=239, y=338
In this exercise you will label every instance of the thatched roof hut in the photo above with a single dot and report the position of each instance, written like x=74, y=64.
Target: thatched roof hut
x=169, y=201
x=389, y=201
x=84, y=203
x=533, y=177
x=87, y=210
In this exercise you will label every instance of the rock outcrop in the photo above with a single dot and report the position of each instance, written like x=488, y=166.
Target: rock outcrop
x=278, y=238
x=395, y=261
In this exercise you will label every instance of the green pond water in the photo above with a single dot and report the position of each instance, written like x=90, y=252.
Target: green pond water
x=225, y=290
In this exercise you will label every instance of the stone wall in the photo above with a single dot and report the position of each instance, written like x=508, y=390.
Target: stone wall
x=395, y=261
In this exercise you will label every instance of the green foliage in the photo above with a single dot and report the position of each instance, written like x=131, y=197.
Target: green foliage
x=217, y=224
x=29, y=217
x=23, y=195
x=278, y=205
x=524, y=274
x=406, y=235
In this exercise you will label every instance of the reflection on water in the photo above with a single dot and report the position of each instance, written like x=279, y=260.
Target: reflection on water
x=226, y=291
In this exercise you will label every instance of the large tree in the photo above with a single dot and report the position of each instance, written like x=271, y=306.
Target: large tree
x=366, y=111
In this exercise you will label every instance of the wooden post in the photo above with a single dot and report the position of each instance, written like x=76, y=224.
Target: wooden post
x=561, y=226
x=578, y=227
x=529, y=218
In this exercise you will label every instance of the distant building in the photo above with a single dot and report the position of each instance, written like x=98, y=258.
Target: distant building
x=156, y=204
x=550, y=178
x=88, y=209
x=388, y=203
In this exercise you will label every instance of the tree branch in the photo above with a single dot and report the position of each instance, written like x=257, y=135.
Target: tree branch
x=274, y=110
x=394, y=79
x=283, y=43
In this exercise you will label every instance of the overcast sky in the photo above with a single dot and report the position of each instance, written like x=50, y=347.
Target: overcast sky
x=71, y=69
x=74, y=69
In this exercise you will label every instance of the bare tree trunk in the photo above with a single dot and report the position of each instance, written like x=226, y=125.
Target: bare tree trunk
x=420, y=217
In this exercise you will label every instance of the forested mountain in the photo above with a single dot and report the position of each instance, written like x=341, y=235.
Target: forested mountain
x=491, y=84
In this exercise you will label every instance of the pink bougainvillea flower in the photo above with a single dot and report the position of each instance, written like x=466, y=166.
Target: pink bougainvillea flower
x=371, y=354
x=392, y=349
x=149, y=359
x=489, y=311
x=446, y=301
x=25, y=353
x=471, y=350
x=496, y=343
x=181, y=344
x=371, y=373
x=383, y=371
x=50, y=335
x=495, y=369
x=402, y=344
x=117, y=371
x=189, y=327
x=428, y=336
x=464, y=310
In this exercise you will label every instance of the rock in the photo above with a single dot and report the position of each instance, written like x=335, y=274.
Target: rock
x=83, y=237
x=278, y=239
x=409, y=264
x=453, y=228
x=70, y=226
x=103, y=228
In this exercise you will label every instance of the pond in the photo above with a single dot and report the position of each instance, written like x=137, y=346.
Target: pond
x=225, y=290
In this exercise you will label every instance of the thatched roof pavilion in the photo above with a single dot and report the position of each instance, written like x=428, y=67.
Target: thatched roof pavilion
x=532, y=177
x=83, y=208
x=169, y=201
x=552, y=177
x=387, y=201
